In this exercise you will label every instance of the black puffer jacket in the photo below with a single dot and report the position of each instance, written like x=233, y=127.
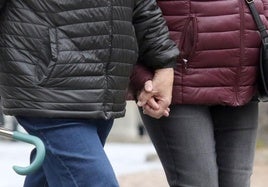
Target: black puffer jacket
x=73, y=58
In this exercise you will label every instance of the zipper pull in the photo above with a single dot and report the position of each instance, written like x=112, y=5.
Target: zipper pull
x=185, y=63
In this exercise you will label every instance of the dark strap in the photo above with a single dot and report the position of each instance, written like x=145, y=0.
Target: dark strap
x=257, y=18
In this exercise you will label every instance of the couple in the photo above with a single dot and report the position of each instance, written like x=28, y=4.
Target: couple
x=65, y=68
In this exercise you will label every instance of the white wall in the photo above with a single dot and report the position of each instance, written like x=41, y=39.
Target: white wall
x=126, y=128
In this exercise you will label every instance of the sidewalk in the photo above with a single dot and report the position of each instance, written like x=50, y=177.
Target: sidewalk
x=130, y=162
x=156, y=178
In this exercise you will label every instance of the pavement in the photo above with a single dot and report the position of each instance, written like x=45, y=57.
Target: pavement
x=156, y=177
x=126, y=158
x=135, y=164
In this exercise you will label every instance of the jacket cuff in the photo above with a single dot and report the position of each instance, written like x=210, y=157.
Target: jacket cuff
x=139, y=76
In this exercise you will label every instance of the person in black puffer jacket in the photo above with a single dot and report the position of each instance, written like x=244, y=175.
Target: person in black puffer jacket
x=65, y=68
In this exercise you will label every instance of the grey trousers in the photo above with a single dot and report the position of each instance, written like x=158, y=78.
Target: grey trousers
x=206, y=146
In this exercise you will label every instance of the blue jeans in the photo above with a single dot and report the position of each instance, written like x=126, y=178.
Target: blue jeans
x=206, y=146
x=74, y=152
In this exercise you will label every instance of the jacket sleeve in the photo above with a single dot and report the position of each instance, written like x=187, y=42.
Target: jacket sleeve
x=265, y=6
x=156, y=49
x=139, y=76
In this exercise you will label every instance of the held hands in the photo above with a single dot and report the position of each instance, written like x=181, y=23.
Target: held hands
x=152, y=106
x=156, y=95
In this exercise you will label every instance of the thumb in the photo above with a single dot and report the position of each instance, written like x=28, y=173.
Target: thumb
x=148, y=86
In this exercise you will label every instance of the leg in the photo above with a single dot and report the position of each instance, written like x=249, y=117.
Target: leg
x=38, y=177
x=235, y=135
x=75, y=155
x=185, y=144
x=103, y=132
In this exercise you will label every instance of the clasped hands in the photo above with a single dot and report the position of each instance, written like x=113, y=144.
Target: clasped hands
x=156, y=95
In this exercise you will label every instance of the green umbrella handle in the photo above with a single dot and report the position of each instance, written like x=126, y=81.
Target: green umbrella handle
x=40, y=153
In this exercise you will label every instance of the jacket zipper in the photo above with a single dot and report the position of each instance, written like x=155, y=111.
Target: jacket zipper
x=110, y=6
x=242, y=49
x=189, y=31
x=185, y=63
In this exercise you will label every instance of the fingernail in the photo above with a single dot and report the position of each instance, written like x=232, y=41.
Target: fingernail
x=148, y=87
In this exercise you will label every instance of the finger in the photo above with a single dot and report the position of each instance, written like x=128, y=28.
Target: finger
x=143, y=98
x=148, y=86
x=153, y=113
x=153, y=104
x=163, y=109
x=156, y=114
x=146, y=93
x=166, y=113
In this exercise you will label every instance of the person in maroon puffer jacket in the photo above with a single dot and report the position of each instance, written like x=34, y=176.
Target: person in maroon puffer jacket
x=208, y=138
x=64, y=72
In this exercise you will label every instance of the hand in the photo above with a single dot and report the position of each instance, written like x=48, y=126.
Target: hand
x=151, y=107
x=156, y=96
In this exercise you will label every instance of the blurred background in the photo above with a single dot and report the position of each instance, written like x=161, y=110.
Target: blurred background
x=130, y=151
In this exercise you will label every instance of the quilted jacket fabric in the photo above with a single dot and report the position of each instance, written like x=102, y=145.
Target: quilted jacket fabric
x=73, y=58
x=219, y=50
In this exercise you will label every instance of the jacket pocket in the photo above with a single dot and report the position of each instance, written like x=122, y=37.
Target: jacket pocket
x=45, y=71
x=187, y=44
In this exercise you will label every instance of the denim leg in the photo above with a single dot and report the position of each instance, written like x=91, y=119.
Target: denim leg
x=74, y=152
x=37, y=178
x=235, y=135
x=103, y=132
x=185, y=144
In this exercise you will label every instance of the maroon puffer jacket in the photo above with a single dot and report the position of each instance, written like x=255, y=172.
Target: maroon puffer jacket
x=219, y=46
